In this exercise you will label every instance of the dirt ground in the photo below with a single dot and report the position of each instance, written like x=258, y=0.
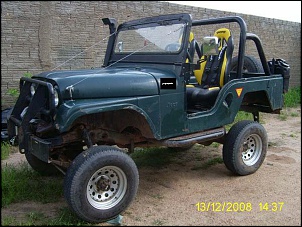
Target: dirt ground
x=183, y=194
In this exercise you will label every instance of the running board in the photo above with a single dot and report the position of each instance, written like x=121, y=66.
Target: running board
x=198, y=137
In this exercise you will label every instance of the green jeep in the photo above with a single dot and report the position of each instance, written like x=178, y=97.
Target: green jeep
x=159, y=85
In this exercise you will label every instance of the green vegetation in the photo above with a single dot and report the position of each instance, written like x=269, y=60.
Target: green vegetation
x=209, y=163
x=154, y=157
x=5, y=150
x=158, y=222
x=14, y=92
x=241, y=115
x=22, y=183
x=283, y=116
x=215, y=144
x=293, y=97
x=28, y=74
x=64, y=217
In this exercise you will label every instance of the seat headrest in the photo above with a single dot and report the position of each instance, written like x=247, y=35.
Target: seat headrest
x=191, y=37
x=223, y=34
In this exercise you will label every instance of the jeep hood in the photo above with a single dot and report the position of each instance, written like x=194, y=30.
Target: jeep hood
x=102, y=83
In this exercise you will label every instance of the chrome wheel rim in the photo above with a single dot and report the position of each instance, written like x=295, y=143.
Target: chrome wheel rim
x=107, y=187
x=251, y=149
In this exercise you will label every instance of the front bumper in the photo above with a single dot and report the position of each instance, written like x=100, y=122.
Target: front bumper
x=29, y=112
x=40, y=148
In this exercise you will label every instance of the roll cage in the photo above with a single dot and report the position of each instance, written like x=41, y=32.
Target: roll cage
x=175, y=58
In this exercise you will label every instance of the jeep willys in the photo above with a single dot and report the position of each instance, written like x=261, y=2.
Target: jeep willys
x=159, y=85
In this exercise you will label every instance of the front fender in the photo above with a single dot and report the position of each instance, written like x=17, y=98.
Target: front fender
x=73, y=109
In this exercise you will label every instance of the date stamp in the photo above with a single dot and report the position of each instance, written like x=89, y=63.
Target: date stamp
x=238, y=206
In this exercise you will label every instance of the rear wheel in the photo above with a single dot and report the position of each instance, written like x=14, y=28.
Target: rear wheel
x=245, y=147
x=250, y=64
x=101, y=183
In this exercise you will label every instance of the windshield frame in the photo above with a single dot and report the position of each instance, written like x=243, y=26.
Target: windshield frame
x=150, y=39
x=167, y=57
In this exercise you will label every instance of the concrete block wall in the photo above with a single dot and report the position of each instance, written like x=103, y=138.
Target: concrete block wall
x=38, y=36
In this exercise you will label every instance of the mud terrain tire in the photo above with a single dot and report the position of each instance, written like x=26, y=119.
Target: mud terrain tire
x=250, y=64
x=245, y=147
x=100, y=183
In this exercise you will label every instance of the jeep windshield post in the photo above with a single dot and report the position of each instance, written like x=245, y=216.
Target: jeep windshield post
x=111, y=22
x=164, y=82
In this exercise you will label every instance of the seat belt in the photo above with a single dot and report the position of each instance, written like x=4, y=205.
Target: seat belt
x=207, y=71
x=212, y=69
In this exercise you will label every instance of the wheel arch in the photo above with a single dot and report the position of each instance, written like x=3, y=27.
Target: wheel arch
x=258, y=100
x=117, y=118
x=256, y=97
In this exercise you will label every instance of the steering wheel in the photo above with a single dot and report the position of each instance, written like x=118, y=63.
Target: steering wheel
x=172, y=47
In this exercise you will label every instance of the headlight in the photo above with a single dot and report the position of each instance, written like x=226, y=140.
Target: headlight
x=56, y=93
x=32, y=89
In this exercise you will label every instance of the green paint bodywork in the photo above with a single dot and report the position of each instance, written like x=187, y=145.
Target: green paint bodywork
x=134, y=82
x=166, y=113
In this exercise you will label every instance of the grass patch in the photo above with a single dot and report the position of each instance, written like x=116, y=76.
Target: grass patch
x=66, y=217
x=154, y=157
x=293, y=97
x=8, y=221
x=33, y=218
x=272, y=144
x=287, y=112
x=5, y=150
x=158, y=222
x=283, y=116
x=215, y=144
x=293, y=135
x=157, y=196
x=211, y=162
x=22, y=183
x=241, y=115
x=294, y=114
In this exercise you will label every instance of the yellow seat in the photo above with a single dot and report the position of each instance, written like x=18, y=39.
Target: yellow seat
x=213, y=73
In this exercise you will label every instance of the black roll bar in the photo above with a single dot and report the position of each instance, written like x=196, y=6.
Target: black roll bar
x=255, y=38
x=242, y=39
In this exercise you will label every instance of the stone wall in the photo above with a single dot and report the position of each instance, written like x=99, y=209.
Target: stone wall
x=43, y=35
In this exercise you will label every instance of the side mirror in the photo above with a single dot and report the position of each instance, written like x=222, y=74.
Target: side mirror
x=120, y=46
x=210, y=45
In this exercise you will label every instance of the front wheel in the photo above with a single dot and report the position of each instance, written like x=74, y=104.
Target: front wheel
x=245, y=147
x=100, y=183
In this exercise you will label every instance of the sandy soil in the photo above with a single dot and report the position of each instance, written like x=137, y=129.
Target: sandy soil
x=176, y=194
